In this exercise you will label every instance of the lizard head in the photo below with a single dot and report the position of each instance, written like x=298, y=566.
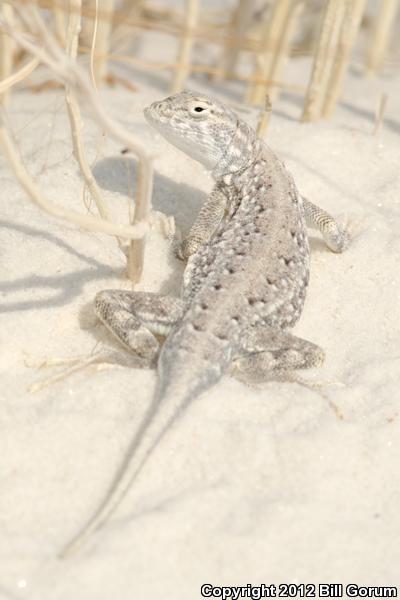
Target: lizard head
x=200, y=126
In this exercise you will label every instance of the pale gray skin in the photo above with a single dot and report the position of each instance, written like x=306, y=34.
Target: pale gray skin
x=244, y=284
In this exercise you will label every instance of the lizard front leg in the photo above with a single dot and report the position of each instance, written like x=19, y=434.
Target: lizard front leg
x=208, y=219
x=270, y=353
x=134, y=318
x=337, y=238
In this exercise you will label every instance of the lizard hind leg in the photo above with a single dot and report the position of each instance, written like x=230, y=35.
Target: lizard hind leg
x=268, y=353
x=135, y=318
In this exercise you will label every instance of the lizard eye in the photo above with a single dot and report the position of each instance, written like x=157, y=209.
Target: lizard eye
x=198, y=109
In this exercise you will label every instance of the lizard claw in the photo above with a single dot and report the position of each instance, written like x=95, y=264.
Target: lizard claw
x=349, y=228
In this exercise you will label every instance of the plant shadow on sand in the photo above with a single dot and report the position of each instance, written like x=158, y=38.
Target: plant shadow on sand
x=117, y=174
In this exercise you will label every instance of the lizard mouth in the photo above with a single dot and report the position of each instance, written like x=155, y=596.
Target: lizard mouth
x=147, y=114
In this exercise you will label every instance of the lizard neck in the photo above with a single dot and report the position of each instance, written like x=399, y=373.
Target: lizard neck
x=240, y=153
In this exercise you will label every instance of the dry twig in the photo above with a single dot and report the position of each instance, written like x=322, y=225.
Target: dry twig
x=75, y=78
x=74, y=26
x=88, y=222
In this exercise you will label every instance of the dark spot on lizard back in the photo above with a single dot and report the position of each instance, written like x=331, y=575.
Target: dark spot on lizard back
x=221, y=336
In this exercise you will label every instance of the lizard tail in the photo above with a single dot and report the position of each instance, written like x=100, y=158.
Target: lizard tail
x=168, y=403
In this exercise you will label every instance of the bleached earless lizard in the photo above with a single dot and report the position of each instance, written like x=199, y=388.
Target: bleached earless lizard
x=244, y=284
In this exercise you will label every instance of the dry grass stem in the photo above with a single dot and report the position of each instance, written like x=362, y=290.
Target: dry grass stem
x=282, y=53
x=325, y=52
x=185, y=46
x=125, y=36
x=20, y=75
x=381, y=34
x=264, y=118
x=59, y=10
x=270, y=42
x=354, y=10
x=79, y=363
x=240, y=24
x=380, y=113
x=101, y=41
x=6, y=50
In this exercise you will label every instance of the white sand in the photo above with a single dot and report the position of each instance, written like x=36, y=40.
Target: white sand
x=251, y=485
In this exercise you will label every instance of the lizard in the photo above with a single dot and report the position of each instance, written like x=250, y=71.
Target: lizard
x=244, y=283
